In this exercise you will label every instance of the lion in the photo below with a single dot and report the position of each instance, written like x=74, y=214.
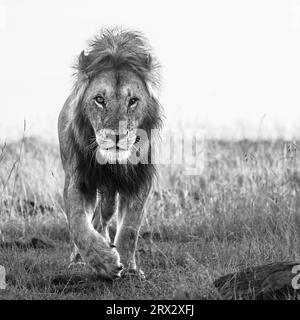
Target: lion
x=104, y=131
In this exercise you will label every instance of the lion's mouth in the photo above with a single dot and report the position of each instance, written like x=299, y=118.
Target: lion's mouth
x=115, y=149
x=118, y=150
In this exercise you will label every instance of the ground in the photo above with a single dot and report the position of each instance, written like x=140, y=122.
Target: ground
x=241, y=210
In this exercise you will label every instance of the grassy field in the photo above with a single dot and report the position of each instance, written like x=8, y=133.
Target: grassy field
x=242, y=210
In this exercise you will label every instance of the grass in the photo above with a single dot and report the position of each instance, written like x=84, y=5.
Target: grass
x=241, y=210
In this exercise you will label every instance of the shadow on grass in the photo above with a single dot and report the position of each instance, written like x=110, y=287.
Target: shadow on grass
x=34, y=243
x=78, y=283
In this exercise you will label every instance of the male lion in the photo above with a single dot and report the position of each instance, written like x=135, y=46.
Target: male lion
x=112, y=101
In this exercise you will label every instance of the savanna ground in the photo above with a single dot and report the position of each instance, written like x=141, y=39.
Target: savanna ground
x=242, y=210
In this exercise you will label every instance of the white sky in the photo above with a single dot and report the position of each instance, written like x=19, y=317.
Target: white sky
x=229, y=67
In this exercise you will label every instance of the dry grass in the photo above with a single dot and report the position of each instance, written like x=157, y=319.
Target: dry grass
x=242, y=210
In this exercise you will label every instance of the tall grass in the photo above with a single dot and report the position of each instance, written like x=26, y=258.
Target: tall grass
x=31, y=180
x=245, y=187
x=242, y=209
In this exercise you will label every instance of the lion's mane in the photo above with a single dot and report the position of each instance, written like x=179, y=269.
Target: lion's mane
x=112, y=50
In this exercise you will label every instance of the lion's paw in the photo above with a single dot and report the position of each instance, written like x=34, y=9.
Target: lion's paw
x=136, y=273
x=103, y=258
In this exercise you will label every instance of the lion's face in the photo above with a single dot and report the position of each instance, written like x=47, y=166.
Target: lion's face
x=115, y=103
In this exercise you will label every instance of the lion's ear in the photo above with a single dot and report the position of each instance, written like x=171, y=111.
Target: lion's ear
x=83, y=61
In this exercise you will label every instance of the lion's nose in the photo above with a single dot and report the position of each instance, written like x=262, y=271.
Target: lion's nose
x=116, y=137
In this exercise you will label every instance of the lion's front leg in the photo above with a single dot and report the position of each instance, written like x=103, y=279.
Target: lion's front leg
x=104, y=211
x=93, y=247
x=129, y=221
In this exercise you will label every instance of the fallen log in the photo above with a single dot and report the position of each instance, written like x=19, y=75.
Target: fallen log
x=278, y=280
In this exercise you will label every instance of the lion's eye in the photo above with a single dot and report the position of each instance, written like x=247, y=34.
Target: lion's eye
x=100, y=100
x=132, y=102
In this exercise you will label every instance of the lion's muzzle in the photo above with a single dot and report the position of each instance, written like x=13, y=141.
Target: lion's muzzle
x=115, y=145
x=108, y=138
